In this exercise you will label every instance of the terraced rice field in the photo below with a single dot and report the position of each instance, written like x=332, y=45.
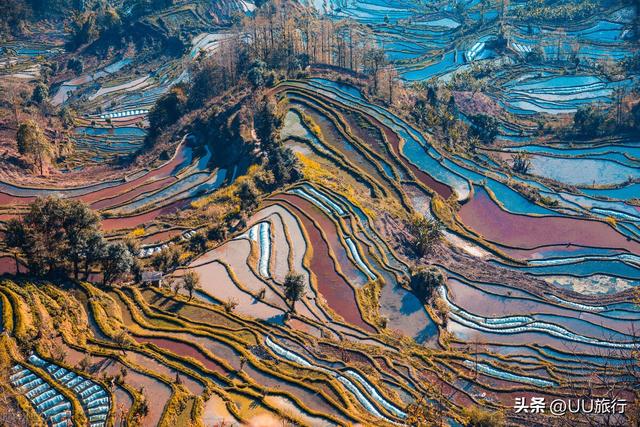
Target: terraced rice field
x=502, y=220
x=329, y=238
x=430, y=44
x=540, y=267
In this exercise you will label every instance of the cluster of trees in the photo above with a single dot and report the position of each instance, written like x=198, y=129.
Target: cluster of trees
x=209, y=80
x=42, y=130
x=484, y=127
x=167, y=110
x=167, y=259
x=104, y=27
x=279, y=164
x=89, y=25
x=281, y=161
x=249, y=131
x=535, y=56
x=563, y=11
x=279, y=39
x=474, y=79
x=244, y=134
x=282, y=38
x=434, y=108
x=241, y=131
x=40, y=93
x=91, y=18
x=59, y=237
x=591, y=120
x=102, y=24
x=76, y=65
x=16, y=12
x=521, y=163
x=286, y=36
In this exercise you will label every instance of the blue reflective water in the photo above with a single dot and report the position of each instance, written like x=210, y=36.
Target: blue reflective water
x=448, y=62
x=628, y=192
x=584, y=269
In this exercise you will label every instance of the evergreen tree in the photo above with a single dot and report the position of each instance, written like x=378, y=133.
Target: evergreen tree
x=40, y=93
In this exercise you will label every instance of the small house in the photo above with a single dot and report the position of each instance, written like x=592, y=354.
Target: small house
x=153, y=278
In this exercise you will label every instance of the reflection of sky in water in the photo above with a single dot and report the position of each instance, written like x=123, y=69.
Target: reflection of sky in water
x=587, y=268
x=577, y=171
x=628, y=192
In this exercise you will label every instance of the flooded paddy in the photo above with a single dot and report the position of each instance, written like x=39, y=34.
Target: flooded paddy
x=541, y=259
x=484, y=216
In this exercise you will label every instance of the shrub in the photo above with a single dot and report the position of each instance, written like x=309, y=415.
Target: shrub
x=40, y=93
x=521, y=163
x=477, y=417
x=230, y=305
x=426, y=233
x=76, y=65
